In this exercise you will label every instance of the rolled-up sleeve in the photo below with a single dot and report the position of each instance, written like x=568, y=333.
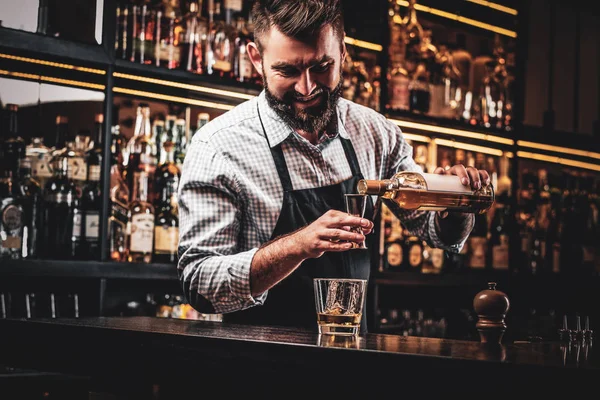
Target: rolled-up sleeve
x=213, y=271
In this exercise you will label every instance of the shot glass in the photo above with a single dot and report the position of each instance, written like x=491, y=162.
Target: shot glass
x=339, y=304
x=356, y=205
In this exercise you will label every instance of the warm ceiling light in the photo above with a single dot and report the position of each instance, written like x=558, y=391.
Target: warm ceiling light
x=495, y=6
x=558, y=149
x=469, y=147
x=416, y=138
x=363, y=44
x=458, y=18
x=452, y=131
x=52, y=79
x=197, y=88
x=53, y=64
x=558, y=160
x=158, y=96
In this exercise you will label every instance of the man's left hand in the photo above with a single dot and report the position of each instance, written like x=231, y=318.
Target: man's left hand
x=469, y=176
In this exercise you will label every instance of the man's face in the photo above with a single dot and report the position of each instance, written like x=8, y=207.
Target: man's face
x=303, y=80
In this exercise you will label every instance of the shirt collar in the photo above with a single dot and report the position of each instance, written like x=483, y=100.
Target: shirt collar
x=278, y=131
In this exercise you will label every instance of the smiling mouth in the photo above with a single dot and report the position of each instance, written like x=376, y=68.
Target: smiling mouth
x=308, y=99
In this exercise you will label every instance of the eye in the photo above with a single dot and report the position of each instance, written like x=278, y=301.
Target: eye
x=319, y=69
x=288, y=72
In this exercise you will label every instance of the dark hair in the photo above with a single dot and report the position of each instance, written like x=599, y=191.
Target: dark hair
x=299, y=19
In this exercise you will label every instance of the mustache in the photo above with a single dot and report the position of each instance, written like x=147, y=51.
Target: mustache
x=295, y=96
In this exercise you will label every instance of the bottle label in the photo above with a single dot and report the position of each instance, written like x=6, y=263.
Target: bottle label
x=119, y=211
x=94, y=173
x=556, y=258
x=415, y=255
x=166, y=239
x=40, y=166
x=142, y=233
x=222, y=65
x=77, y=169
x=437, y=259
x=399, y=99
x=77, y=217
x=478, y=249
x=12, y=217
x=245, y=65
x=234, y=5
x=92, y=225
x=500, y=254
x=394, y=255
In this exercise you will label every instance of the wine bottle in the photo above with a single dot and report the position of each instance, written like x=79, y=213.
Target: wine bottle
x=429, y=192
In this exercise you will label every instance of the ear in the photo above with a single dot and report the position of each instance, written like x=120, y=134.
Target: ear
x=255, y=57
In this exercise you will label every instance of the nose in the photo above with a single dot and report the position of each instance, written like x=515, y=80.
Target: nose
x=305, y=84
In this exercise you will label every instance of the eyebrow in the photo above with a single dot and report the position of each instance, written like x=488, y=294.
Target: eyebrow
x=282, y=65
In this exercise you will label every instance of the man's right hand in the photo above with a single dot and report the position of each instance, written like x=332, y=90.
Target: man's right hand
x=330, y=232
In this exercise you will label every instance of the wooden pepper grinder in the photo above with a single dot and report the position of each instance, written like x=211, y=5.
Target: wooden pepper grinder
x=491, y=306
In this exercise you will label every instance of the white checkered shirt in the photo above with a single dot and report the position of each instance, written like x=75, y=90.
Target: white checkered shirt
x=230, y=195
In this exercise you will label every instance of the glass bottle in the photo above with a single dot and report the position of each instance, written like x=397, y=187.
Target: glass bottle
x=181, y=141
x=30, y=197
x=118, y=220
x=427, y=191
x=166, y=50
x=141, y=150
x=398, y=75
x=11, y=214
x=62, y=214
x=166, y=227
x=243, y=69
x=167, y=174
x=140, y=230
x=193, y=39
x=224, y=38
x=92, y=196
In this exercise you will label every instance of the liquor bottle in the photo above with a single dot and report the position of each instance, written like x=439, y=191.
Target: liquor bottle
x=211, y=30
x=158, y=137
x=144, y=20
x=166, y=227
x=62, y=213
x=166, y=47
x=141, y=150
x=224, y=38
x=193, y=40
x=29, y=193
x=478, y=243
x=167, y=174
x=40, y=159
x=140, y=230
x=394, y=257
x=414, y=253
x=11, y=214
x=203, y=119
x=181, y=141
x=243, y=69
x=500, y=236
x=398, y=75
x=425, y=191
x=91, y=201
x=119, y=199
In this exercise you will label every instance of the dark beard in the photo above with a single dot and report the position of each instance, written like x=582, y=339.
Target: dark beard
x=313, y=119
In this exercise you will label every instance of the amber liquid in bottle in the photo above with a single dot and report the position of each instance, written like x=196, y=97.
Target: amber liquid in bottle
x=429, y=192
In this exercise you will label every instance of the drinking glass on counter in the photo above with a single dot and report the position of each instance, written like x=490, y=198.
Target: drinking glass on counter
x=339, y=304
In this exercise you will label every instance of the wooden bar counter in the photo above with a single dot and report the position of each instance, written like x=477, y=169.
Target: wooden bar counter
x=193, y=358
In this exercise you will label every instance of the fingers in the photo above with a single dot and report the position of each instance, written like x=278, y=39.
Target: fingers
x=340, y=235
x=338, y=220
x=471, y=176
x=439, y=170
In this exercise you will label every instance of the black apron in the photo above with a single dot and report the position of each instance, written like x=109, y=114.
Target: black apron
x=292, y=301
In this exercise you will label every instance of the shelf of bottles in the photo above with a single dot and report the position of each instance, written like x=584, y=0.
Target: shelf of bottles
x=191, y=56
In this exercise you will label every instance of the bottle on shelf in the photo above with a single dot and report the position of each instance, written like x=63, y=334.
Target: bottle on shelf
x=223, y=44
x=166, y=226
x=140, y=231
x=11, y=213
x=91, y=201
x=119, y=200
x=194, y=40
x=166, y=46
x=141, y=150
x=62, y=213
x=143, y=29
x=39, y=157
x=426, y=191
x=30, y=198
x=414, y=253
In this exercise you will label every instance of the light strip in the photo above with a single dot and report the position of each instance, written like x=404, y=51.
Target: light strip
x=53, y=64
x=363, y=44
x=158, y=96
x=455, y=17
x=187, y=86
x=470, y=147
x=416, y=138
x=61, y=81
x=558, y=160
x=558, y=149
x=451, y=131
x=495, y=6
